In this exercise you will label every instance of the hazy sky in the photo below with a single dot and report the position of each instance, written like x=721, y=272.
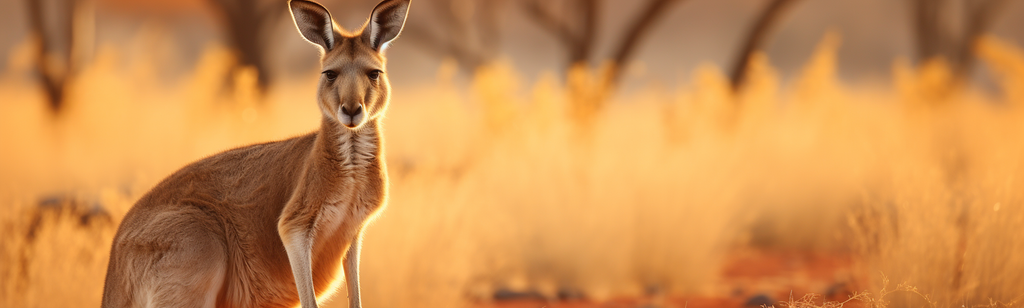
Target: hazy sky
x=874, y=33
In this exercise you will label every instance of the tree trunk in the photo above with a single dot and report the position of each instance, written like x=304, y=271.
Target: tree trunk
x=583, y=48
x=52, y=65
x=928, y=33
x=980, y=18
x=638, y=29
x=247, y=24
x=762, y=27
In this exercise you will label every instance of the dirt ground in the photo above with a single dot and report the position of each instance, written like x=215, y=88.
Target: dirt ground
x=750, y=278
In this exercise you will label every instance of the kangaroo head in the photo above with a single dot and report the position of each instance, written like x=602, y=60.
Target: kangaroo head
x=353, y=86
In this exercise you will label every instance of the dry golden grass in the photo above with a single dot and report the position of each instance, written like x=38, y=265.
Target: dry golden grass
x=494, y=186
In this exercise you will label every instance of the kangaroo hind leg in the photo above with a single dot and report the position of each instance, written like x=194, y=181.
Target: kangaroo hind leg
x=180, y=262
x=190, y=276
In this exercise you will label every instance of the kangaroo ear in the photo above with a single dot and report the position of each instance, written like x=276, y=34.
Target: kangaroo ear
x=314, y=23
x=385, y=23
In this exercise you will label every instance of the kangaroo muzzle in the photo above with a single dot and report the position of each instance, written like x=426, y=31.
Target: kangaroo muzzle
x=352, y=115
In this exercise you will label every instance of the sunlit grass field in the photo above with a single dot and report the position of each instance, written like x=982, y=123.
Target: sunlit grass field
x=498, y=184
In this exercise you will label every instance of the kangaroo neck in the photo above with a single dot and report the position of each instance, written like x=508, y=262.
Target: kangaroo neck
x=351, y=150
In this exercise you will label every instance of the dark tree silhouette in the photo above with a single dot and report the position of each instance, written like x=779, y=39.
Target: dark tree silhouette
x=636, y=32
x=935, y=36
x=53, y=63
x=247, y=27
x=755, y=38
x=928, y=34
x=464, y=30
x=575, y=27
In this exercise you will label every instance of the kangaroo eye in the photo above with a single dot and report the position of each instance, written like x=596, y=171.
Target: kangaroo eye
x=331, y=75
x=374, y=74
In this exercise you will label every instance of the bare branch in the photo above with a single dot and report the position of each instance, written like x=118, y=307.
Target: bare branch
x=490, y=36
x=983, y=13
x=588, y=34
x=453, y=23
x=52, y=75
x=928, y=32
x=639, y=28
x=551, y=23
x=465, y=30
x=442, y=47
x=755, y=38
x=246, y=25
x=934, y=38
x=980, y=18
x=577, y=30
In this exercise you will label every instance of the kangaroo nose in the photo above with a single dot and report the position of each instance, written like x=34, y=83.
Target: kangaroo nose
x=351, y=112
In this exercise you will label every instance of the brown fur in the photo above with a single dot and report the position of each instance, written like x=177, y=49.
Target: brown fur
x=220, y=231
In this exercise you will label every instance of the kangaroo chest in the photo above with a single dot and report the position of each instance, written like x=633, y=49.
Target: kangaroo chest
x=357, y=193
x=348, y=209
x=350, y=190
x=351, y=199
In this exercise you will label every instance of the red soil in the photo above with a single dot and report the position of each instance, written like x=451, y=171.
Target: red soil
x=748, y=279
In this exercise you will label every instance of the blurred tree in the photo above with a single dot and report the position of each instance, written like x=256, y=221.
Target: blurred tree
x=755, y=38
x=638, y=29
x=247, y=26
x=575, y=26
x=940, y=33
x=574, y=23
x=61, y=31
x=463, y=30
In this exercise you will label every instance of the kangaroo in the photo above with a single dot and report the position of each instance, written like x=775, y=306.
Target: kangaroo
x=271, y=224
